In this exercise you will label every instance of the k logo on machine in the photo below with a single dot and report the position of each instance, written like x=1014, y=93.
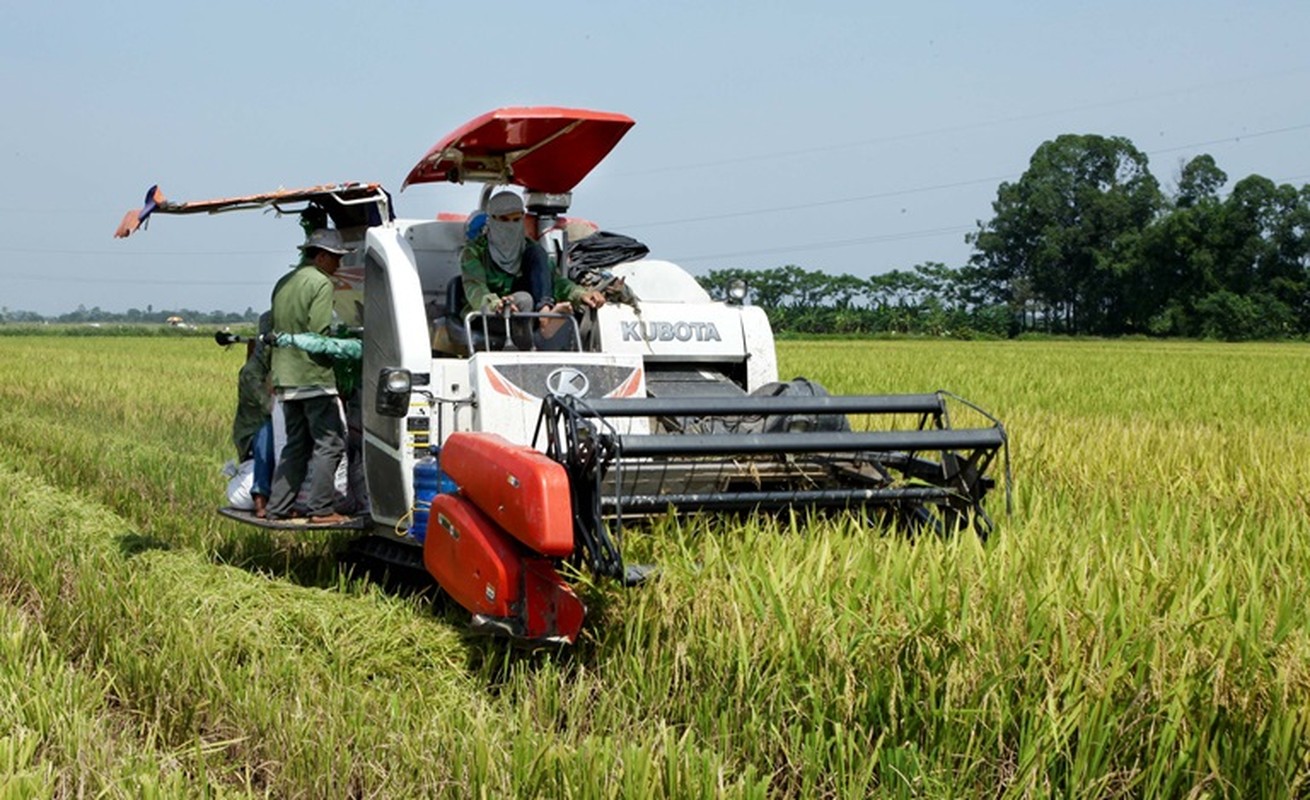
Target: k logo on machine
x=567, y=382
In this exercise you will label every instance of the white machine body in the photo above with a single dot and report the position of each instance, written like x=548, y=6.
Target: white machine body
x=674, y=339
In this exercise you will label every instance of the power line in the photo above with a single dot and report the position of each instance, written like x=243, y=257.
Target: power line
x=131, y=281
x=1230, y=139
x=916, y=234
x=937, y=187
x=820, y=203
x=953, y=128
x=681, y=221
x=137, y=253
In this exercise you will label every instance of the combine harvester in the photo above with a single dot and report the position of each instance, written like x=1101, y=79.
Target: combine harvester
x=670, y=401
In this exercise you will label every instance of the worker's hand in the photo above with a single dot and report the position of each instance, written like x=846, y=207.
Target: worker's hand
x=507, y=304
x=592, y=299
x=269, y=338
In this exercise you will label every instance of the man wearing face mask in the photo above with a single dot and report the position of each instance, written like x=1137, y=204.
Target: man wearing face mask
x=504, y=270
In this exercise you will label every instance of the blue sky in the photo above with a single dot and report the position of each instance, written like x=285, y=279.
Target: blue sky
x=854, y=137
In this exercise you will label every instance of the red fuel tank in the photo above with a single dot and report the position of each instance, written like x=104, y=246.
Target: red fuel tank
x=474, y=561
x=524, y=491
x=487, y=572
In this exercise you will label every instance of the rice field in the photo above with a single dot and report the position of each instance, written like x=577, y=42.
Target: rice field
x=1137, y=627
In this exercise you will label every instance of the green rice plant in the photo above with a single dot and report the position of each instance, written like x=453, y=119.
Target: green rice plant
x=64, y=734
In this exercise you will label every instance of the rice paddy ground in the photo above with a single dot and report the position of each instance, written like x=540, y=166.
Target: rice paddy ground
x=1138, y=626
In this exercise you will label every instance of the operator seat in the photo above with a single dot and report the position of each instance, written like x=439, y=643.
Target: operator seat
x=452, y=326
x=465, y=340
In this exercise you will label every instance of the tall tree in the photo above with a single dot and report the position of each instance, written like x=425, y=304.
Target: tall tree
x=1067, y=230
x=1265, y=230
x=1179, y=255
x=1199, y=180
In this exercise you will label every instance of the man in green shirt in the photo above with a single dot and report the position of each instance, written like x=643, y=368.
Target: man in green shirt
x=306, y=386
x=504, y=270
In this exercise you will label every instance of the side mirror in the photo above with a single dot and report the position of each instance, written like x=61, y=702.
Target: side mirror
x=394, y=386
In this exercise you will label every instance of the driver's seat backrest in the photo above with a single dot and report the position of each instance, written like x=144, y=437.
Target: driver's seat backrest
x=465, y=339
x=455, y=298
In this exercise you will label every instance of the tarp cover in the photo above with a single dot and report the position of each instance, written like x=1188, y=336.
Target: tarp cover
x=602, y=250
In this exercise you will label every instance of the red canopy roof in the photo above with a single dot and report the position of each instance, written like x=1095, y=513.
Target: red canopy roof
x=541, y=148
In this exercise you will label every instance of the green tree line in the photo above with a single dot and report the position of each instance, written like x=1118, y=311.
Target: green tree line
x=1085, y=242
x=928, y=299
x=133, y=316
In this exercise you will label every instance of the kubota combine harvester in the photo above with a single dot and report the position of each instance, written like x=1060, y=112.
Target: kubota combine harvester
x=667, y=402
